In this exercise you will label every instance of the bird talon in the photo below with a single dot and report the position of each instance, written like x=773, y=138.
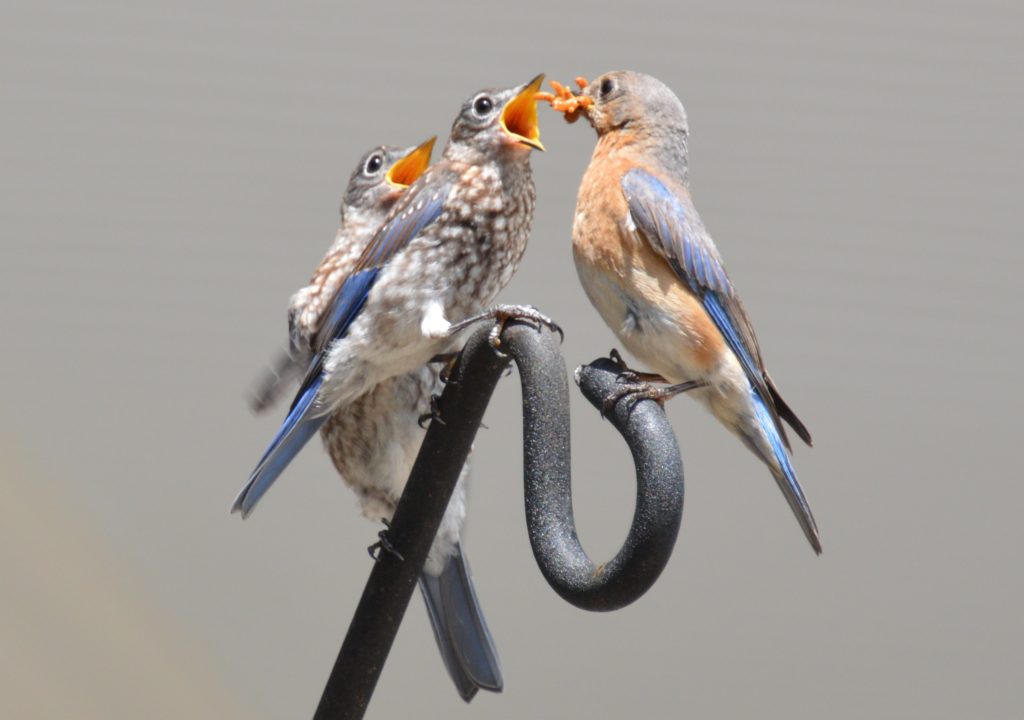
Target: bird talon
x=629, y=375
x=434, y=414
x=502, y=314
x=635, y=391
x=383, y=544
x=449, y=362
x=527, y=312
x=616, y=358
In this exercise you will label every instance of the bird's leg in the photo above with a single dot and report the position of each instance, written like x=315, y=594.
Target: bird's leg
x=501, y=314
x=383, y=543
x=434, y=414
x=449, y=361
x=629, y=375
x=636, y=392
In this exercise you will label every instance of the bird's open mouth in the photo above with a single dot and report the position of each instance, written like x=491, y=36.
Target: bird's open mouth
x=519, y=118
x=404, y=172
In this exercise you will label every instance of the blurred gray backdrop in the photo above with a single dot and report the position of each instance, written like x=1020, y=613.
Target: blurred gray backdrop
x=171, y=172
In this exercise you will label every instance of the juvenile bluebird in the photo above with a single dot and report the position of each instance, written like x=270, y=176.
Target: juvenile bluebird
x=649, y=266
x=381, y=176
x=374, y=440
x=448, y=246
x=445, y=250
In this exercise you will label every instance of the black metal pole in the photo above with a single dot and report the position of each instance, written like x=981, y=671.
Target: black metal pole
x=548, y=492
x=413, y=527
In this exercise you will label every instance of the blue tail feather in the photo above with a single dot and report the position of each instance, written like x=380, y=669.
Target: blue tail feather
x=296, y=430
x=784, y=473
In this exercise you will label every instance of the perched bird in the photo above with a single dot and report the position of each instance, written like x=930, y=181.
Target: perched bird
x=379, y=179
x=649, y=266
x=447, y=247
x=373, y=441
x=445, y=250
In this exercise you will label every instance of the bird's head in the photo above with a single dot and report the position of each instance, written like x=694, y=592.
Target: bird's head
x=494, y=120
x=623, y=100
x=383, y=174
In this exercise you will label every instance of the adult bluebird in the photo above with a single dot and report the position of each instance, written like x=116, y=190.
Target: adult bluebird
x=373, y=441
x=650, y=268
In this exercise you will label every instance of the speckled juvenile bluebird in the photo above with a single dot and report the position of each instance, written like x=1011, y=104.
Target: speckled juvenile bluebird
x=373, y=441
x=379, y=179
x=649, y=266
x=449, y=245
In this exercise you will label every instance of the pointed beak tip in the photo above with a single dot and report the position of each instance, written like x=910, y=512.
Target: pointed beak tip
x=520, y=115
x=406, y=170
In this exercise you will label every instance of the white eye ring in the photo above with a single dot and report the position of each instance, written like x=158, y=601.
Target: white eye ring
x=374, y=164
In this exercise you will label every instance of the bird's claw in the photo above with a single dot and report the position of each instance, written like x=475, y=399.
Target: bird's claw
x=502, y=314
x=384, y=544
x=644, y=390
x=631, y=376
x=449, y=361
x=567, y=102
x=434, y=414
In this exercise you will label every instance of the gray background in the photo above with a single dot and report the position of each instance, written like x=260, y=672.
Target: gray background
x=171, y=173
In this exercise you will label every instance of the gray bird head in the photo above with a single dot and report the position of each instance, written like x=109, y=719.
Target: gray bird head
x=381, y=176
x=639, y=106
x=495, y=120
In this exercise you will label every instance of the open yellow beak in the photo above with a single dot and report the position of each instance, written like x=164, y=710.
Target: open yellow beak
x=519, y=118
x=404, y=172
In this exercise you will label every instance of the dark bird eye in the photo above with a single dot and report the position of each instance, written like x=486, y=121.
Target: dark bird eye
x=606, y=87
x=483, y=105
x=374, y=164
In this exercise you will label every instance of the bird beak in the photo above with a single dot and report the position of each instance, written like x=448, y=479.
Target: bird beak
x=519, y=118
x=404, y=172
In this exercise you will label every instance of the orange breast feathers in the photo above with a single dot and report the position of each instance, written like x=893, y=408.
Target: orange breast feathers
x=605, y=239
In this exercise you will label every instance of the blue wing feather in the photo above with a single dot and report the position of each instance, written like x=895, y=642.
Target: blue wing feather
x=725, y=325
x=671, y=224
x=665, y=219
x=299, y=426
x=408, y=219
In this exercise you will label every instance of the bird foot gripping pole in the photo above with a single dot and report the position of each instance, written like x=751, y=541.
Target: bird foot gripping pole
x=548, y=492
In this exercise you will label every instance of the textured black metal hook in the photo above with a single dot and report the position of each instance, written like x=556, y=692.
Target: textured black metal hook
x=548, y=493
x=548, y=488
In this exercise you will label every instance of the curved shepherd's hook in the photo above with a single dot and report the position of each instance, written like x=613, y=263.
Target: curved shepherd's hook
x=548, y=479
x=548, y=492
